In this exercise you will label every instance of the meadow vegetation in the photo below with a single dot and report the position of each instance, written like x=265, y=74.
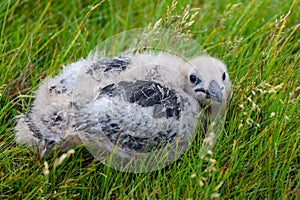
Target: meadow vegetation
x=256, y=156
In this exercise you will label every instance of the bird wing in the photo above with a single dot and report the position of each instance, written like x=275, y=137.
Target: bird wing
x=140, y=116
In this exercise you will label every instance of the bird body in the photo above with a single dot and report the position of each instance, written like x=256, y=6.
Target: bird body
x=139, y=102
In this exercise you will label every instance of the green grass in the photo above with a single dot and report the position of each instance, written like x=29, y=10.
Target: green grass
x=257, y=156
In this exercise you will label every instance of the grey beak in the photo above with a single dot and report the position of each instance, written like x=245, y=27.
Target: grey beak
x=215, y=91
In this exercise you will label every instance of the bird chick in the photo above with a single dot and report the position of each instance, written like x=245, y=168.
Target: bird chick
x=141, y=102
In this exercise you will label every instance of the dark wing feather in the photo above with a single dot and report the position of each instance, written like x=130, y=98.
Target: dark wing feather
x=117, y=64
x=145, y=94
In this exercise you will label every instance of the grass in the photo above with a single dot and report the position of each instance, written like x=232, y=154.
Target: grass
x=257, y=156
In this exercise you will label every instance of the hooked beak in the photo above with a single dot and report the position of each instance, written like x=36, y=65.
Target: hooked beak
x=215, y=91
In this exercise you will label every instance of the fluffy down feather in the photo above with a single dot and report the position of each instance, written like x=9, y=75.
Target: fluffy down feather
x=141, y=102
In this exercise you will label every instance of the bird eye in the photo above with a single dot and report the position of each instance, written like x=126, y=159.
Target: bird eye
x=193, y=78
x=224, y=76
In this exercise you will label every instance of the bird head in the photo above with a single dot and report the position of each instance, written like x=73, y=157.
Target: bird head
x=207, y=80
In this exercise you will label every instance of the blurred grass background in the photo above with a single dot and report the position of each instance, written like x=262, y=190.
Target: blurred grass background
x=257, y=156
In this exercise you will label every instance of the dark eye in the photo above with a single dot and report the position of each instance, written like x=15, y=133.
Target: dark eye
x=223, y=76
x=193, y=78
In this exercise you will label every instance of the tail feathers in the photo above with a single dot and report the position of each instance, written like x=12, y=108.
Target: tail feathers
x=24, y=135
x=29, y=135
